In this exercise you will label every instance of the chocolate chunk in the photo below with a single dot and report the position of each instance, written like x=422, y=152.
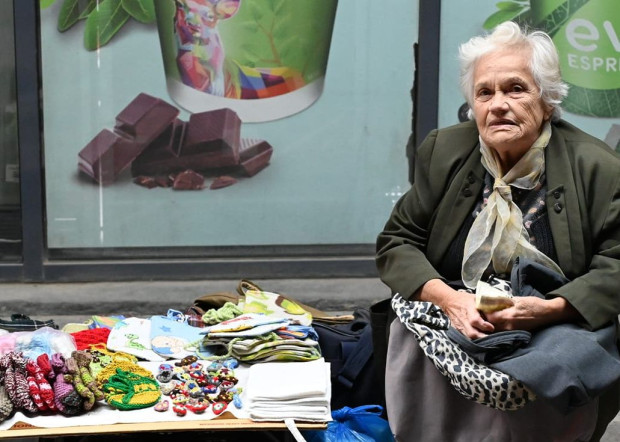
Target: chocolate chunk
x=188, y=180
x=217, y=131
x=145, y=118
x=254, y=155
x=222, y=181
x=145, y=181
x=144, y=121
x=107, y=155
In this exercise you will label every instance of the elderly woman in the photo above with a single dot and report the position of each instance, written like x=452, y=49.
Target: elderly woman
x=517, y=181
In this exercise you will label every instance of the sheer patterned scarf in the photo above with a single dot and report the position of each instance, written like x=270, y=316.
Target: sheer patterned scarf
x=497, y=235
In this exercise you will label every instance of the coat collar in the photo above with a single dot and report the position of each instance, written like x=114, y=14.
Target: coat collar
x=562, y=206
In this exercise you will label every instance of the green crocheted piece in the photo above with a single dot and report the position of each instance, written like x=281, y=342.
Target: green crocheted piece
x=130, y=391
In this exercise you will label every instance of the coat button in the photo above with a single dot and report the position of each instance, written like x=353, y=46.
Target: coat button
x=557, y=194
x=467, y=192
x=557, y=207
x=471, y=179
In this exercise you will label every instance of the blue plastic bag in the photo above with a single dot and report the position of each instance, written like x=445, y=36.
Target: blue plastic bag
x=360, y=424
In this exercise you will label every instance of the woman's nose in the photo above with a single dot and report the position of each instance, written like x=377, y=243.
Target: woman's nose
x=499, y=103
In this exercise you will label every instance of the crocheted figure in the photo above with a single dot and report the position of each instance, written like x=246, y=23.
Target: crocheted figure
x=83, y=359
x=44, y=389
x=78, y=384
x=66, y=399
x=15, y=382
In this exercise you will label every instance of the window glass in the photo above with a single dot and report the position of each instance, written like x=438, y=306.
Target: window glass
x=586, y=39
x=224, y=122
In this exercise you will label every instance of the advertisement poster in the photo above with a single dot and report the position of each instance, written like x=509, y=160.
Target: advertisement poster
x=224, y=122
x=587, y=36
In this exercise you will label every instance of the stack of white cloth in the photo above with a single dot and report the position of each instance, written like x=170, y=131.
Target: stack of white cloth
x=289, y=390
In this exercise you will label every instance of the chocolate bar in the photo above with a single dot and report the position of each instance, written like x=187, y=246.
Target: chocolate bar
x=213, y=131
x=149, y=136
x=145, y=118
x=106, y=155
x=210, y=140
x=254, y=155
x=142, y=122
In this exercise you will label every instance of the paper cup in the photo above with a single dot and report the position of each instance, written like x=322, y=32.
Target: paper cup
x=264, y=59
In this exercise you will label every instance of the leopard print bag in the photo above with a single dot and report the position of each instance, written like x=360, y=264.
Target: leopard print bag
x=474, y=380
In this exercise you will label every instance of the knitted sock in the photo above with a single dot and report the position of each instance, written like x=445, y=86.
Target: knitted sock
x=15, y=382
x=33, y=390
x=44, y=387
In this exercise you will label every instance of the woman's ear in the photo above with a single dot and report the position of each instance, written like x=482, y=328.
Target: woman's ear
x=549, y=113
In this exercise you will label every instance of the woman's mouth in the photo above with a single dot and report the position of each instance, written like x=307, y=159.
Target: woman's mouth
x=502, y=122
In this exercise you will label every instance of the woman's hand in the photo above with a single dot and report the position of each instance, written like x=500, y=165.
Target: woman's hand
x=459, y=306
x=530, y=313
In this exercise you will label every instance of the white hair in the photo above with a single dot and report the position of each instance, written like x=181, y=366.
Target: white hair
x=544, y=62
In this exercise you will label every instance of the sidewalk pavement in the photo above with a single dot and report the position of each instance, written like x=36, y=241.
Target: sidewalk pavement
x=77, y=302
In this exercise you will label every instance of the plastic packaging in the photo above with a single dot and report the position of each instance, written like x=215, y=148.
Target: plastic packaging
x=360, y=424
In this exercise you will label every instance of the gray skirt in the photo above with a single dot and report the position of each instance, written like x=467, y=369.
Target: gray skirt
x=423, y=406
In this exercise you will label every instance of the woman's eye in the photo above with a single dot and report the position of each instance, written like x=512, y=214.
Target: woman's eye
x=483, y=94
x=517, y=88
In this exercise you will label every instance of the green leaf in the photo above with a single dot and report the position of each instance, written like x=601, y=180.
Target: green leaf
x=70, y=13
x=509, y=6
x=280, y=7
x=501, y=16
x=257, y=11
x=593, y=102
x=103, y=23
x=92, y=4
x=141, y=10
x=46, y=3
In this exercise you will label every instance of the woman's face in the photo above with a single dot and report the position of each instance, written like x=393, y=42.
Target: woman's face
x=507, y=105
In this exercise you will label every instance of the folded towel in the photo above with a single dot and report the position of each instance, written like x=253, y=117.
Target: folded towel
x=296, y=390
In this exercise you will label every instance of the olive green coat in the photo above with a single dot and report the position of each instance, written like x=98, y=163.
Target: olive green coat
x=583, y=204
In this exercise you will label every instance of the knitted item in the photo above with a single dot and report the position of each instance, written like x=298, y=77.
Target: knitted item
x=6, y=406
x=43, y=387
x=84, y=339
x=130, y=391
x=78, y=384
x=102, y=357
x=83, y=359
x=66, y=399
x=227, y=311
x=15, y=382
x=111, y=369
x=33, y=391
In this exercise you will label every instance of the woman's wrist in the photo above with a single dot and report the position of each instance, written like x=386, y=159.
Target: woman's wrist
x=560, y=310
